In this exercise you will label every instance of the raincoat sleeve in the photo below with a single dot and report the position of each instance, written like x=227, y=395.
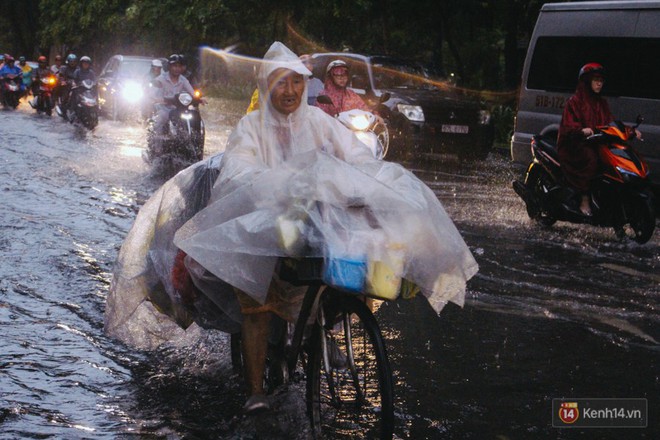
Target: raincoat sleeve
x=243, y=158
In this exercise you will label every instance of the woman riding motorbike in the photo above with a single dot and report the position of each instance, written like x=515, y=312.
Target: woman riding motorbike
x=343, y=99
x=584, y=111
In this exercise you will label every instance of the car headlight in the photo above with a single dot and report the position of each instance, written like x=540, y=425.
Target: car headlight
x=412, y=112
x=484, y=117
x=132, y=92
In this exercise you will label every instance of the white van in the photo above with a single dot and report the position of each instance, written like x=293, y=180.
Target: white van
x=623, y=36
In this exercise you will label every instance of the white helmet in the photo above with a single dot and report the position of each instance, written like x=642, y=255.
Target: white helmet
x=157, y=63
x=335, y=63
x=86, y=59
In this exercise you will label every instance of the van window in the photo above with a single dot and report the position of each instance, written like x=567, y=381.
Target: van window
x=630, y=64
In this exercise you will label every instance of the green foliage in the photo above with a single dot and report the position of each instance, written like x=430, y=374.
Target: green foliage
x=503, y=118
x=462, y=36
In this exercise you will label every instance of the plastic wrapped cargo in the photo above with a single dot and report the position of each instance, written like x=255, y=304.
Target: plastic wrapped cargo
x=143, y=308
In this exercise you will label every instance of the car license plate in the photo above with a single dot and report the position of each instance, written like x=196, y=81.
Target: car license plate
x=461, y=129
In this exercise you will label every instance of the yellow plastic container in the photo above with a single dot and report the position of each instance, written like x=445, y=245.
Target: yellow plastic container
x=384, y=277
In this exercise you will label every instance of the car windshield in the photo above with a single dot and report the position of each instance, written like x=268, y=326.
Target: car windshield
x=394, y=74
x=135, y=68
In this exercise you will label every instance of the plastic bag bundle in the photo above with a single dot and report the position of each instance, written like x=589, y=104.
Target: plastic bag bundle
x=143, y=308
x=359, y=213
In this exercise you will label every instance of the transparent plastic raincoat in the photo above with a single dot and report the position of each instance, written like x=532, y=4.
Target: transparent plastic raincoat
x=298, y=186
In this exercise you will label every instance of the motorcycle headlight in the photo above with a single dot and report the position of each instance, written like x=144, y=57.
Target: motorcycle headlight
x=484, y=117
x=360, y=122
x=412, y=112
x=186, y=116
x=627, y=174
x=88, y=101
x=185, y=99
x=132, y=92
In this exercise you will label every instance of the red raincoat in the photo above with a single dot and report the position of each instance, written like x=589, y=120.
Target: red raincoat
x=585, y=109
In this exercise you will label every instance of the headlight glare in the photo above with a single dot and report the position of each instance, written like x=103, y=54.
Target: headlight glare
x=132, y=92
x=484, y=117
x=185, y=99
x=412, y=112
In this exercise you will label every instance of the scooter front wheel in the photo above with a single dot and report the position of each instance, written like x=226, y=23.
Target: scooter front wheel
x=640, y=213
x=534, y=183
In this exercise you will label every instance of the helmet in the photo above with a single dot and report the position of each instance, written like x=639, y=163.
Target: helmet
x=9, y=58
x=156, y=63
x=21, y=59
x=175, y=58
x=58, y=57
x=591, y=68
x=42, y=60
x=85, y=59
x=336, y=63
x=71, y=58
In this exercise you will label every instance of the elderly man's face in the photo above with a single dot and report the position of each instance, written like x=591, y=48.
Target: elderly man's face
x=286, y=89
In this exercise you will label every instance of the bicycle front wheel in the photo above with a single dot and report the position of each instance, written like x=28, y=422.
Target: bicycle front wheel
x=349, y=379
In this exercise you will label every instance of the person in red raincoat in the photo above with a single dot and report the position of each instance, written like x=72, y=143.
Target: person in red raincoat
x=584, y=111
x=343, y=99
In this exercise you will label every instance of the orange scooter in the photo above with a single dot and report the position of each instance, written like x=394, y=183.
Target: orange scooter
x=620, y=195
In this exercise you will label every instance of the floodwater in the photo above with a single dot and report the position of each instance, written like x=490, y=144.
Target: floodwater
x=553, y=313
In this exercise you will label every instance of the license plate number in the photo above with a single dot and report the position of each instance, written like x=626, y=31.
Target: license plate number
x=461, y=129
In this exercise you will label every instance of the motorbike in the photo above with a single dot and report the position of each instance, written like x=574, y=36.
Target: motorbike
x=11, y=90
x=620, y=196
x=368, y=128
x=183, y=141
x=84, y=104
x=43, y=102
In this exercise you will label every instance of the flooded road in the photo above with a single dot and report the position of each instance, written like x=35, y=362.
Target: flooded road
x=561, y=312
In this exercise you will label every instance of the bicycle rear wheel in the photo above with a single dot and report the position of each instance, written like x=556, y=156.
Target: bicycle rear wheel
x=354, y=398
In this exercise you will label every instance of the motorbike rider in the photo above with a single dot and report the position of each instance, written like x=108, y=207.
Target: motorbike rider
x=66, y=81
x=583, y=112
x=27, y=73
x=85, y=71
x=155, y=70
x=82, y=73
x=335, y=88
x=55, y=68
x=42, y=71
x=10, y=71
x=165, y=87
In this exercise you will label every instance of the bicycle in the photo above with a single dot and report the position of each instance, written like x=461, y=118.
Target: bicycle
x=339, y=398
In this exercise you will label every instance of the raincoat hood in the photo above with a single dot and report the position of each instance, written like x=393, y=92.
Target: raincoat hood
x=279, y=56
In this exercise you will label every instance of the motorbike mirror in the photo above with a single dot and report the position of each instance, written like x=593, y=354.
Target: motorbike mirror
x=639, y=120
x=323, y=99
x=385, y=97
